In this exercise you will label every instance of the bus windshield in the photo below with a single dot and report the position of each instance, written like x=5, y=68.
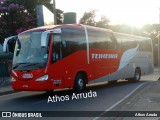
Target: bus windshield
x=29, y=54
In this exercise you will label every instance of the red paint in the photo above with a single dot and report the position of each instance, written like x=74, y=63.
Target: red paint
x=66, y=69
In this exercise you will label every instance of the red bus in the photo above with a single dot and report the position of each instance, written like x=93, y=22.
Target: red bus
x=71, y=56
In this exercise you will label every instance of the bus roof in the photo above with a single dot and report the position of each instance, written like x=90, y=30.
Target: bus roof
x=50, y=27
x=130, y=35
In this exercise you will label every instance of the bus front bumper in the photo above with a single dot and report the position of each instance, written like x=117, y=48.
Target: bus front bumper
x=31, y=85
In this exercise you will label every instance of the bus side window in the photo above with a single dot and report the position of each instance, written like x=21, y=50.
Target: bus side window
x=55, y=56
x=56, y=48
x=145, y=45
x=73, y=40
x=114, y=44
x=100, y=40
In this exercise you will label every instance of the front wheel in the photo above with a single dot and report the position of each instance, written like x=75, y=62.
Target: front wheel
x=79, y=84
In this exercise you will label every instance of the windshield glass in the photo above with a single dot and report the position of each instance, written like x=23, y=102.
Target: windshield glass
x=28, y=52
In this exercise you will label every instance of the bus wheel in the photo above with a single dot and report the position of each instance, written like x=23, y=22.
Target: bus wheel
x=79, y=83
x=137, y=75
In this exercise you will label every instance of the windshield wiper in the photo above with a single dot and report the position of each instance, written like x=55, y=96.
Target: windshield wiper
x=17, y=65
x=27, y=65
x=34, y=64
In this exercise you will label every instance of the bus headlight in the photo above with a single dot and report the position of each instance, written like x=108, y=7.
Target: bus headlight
x=43, y=78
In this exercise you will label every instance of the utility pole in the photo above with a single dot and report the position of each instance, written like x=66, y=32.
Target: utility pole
x=159, y=44
x=54, y=12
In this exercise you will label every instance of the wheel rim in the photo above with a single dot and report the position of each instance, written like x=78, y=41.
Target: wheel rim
x=80, y=83
x=137, y=76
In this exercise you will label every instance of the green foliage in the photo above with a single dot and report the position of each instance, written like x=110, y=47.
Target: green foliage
x=103, y=22
x=19, y=15
x=59, y=16
x=89, y=19
x=30, y=4
x=14, y=19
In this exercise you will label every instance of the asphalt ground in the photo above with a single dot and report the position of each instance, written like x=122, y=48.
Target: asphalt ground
x=142, y=104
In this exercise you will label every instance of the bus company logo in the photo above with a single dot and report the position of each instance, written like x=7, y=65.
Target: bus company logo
x=27, y=75
x=104, y=56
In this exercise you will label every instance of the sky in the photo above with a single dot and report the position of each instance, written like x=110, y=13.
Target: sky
x=132, y=12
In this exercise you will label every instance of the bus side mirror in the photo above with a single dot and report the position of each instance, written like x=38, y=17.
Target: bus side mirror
x=44, y=38
x=5, y=44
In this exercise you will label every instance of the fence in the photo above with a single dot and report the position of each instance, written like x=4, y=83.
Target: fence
x=5, y=68
x=5, y=64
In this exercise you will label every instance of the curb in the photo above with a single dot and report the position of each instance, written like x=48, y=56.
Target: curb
x=8, y=92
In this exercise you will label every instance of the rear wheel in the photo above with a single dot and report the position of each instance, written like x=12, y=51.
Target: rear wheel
x=137, y=75
x=79, y=83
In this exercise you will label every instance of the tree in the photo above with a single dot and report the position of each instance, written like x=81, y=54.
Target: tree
x=14, y=18
x=88, y=18
x=59, y=16
x=19, y=15
x=152, y=32
x=103, y=22
x=30, y=5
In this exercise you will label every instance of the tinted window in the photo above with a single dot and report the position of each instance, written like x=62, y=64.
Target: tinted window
x=57, y=48
x=126, y=42
x=145, y=45
x=100, y=39
x=74, y=40
x=129, y=42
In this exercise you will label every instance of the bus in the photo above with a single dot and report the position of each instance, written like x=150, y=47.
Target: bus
x=72, y=55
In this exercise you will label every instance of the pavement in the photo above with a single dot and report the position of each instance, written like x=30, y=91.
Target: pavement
x=141, y=103
x=6, y=90
x=5, y=87
x=154, y=76
x=144, y=100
